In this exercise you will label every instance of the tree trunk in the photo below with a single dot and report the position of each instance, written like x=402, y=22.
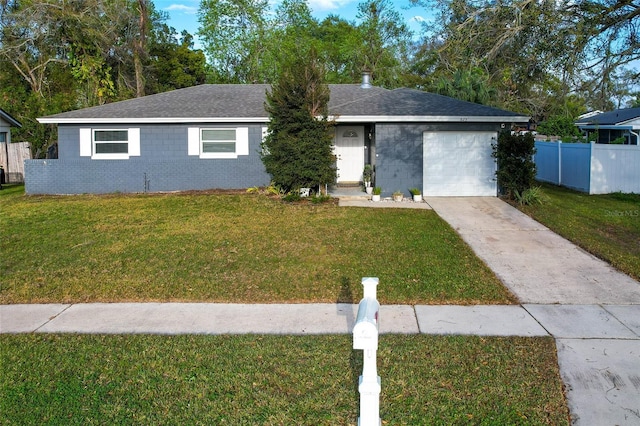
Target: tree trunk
x=139, y=46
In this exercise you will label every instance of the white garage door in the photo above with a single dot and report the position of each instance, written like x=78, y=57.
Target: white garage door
x=458, y=164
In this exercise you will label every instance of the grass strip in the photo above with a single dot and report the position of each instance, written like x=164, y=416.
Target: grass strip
x=607, y=226
x=230, y=248
x=275, y=380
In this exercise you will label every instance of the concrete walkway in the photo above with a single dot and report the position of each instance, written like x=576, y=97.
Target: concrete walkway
x=591, y=310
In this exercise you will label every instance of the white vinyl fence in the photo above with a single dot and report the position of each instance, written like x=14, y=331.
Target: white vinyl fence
x=589, y=167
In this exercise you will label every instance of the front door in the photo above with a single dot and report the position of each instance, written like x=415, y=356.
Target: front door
x=349, y=150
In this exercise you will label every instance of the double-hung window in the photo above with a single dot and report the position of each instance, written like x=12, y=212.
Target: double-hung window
x=218, y=142
x=109, y=144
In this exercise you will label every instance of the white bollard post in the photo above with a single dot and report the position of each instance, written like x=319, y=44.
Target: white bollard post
x=365, y=337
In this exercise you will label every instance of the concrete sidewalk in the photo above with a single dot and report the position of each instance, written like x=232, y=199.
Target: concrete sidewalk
x=560, y=321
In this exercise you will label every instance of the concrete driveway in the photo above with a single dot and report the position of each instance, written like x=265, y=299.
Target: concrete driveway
x=537, y=265
x=572, y=294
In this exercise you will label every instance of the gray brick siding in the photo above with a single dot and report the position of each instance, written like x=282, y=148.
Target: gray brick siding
x=162, y=166
x=398, y=149
x=165, y=166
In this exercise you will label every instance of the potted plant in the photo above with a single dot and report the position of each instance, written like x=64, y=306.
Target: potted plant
x=398, y=196
x=376, y=193
x=367, y=176
x=417, y=196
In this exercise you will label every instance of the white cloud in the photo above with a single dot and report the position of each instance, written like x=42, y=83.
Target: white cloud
x=417, y=18
x=323, y=5
x=175, y=7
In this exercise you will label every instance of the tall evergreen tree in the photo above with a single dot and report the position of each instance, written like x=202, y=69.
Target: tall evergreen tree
x=297, y=151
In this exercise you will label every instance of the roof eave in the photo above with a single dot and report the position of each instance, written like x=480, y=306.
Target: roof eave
x=427, y=119
x=606, y=126
x=338, y=119
x=152, y=120
x=9, y=119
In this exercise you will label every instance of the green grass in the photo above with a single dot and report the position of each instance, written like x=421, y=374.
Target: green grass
x=229, y=248
x=608, y=226
x=275, y=380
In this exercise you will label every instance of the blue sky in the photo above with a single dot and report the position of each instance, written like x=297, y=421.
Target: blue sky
x=183, y=13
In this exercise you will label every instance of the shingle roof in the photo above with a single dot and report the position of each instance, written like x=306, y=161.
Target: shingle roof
x=410, y=102
x=613, y=117
x=208, y=100
x=246, y=102
x=345, y=93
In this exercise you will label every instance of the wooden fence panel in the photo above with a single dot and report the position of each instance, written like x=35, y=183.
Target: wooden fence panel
x=12, y=156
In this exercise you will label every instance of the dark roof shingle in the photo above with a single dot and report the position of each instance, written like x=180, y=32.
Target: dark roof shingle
x=613, y=117
x=247, y=101
x=411, y=102
x=208, y=100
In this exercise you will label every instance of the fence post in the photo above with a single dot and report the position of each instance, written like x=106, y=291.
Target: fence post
x=559, y=162
x=365, y=337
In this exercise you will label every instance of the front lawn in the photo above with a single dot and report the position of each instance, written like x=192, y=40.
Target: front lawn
x=607, y=226
x=276, y=380
x=229, y=248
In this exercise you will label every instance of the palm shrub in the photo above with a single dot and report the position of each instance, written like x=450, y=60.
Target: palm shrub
x=516, y=170
x=530, y=196
x=297, y=151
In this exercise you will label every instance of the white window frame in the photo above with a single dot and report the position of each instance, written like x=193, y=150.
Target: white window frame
x=219, y=154
x=265, y=133
x=88, y=144
x=195, y=143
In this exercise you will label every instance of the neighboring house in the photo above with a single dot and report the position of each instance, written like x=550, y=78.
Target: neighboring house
x=209, y=136
x=609, y=126
x=6, y=123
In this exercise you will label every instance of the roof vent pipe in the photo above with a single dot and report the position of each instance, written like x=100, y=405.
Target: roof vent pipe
x=366, y=80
